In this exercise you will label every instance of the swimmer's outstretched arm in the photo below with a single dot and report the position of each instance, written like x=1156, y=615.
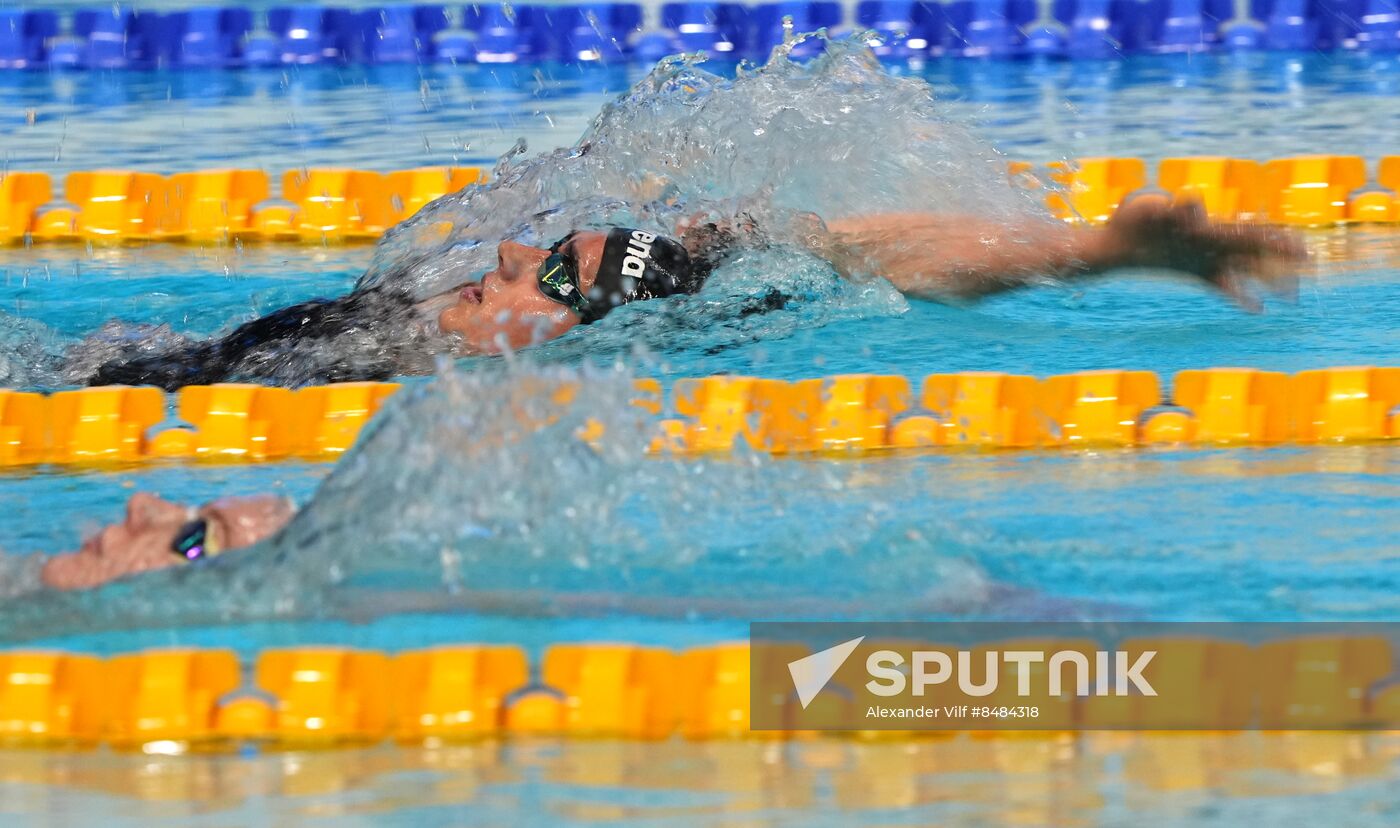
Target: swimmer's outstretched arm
x=943, y=257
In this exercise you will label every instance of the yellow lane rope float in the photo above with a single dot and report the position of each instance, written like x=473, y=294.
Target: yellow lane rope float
x=847, y=414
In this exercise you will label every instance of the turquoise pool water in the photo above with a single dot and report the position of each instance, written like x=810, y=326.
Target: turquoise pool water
x=1241, y=534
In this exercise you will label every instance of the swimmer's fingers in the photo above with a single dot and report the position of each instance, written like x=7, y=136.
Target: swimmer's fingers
x=1240, y=277
x=1254, y=254
x=1278, y=275
x=1284, y=285
x=1262, y=240
x=1237, y=287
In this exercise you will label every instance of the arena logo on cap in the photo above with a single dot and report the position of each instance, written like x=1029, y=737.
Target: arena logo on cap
x=638, y=250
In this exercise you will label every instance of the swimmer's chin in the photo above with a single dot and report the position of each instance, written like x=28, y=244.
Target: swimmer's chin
x=502, y=337
x=470, y=351
x=463, y=347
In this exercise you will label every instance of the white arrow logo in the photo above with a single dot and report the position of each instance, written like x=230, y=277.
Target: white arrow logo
x=810, y=674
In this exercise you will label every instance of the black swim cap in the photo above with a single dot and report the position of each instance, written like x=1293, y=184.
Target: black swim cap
x=639, y=265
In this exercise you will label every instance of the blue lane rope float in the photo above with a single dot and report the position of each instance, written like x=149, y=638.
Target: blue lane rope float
x=232, y=37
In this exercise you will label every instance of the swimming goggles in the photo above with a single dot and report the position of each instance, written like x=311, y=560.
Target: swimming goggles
x=195, y=541
x=559, y=278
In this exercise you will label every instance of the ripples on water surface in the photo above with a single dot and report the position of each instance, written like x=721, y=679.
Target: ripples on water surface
x=1258, y=105
x=1196, y=779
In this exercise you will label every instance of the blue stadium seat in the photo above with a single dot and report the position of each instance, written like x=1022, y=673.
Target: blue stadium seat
x=262, y=49
x=1242, y=37
x=454, y=46
x=1321, y=24
x=103, y=35
x=430, y=21
x=989, y=28
x=1379, y=25
x=590, y=33
x=1107, y=28
x=910, y=27
x=209, y=37
x=768, y=26
x=627, y=17
x=66, y=53
x=1327, y=23
x=1091, y=33
x=1187, y=25
x=301, y=35
x=827, y=14
x=1290, y=26
x=653, y=46
x=314, y=34
x=23, y=38
x=116, y=38
x=1139, y=24
x=399, y=33
x=1046, y=41
x=1342, y=20
x=542, y=24
x=717, y=28
x=502, y=36
x=390, y=35
x=1183, y=27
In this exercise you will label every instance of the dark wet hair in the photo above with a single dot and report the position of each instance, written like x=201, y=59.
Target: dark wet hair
x=360, y=336
x=712, y=242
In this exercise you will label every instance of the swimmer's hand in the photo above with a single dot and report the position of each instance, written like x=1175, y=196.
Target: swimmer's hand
x=1231, y=257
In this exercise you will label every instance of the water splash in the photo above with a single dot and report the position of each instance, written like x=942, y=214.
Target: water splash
x=836, y=136
x=30, y=353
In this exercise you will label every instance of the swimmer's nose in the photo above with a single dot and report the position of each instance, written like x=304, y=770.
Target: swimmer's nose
x=144, y=509
x=516, y=259
x=104, y=541
x=140, y=507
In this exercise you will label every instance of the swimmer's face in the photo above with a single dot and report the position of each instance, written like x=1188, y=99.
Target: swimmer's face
x=142, y=540
x=506, y=310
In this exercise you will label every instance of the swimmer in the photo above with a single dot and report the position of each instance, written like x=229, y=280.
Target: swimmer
x=156, y=534
x=536, y=294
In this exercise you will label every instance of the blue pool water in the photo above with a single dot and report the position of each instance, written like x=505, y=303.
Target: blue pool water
x=1240, y=534
x=1258, y=105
